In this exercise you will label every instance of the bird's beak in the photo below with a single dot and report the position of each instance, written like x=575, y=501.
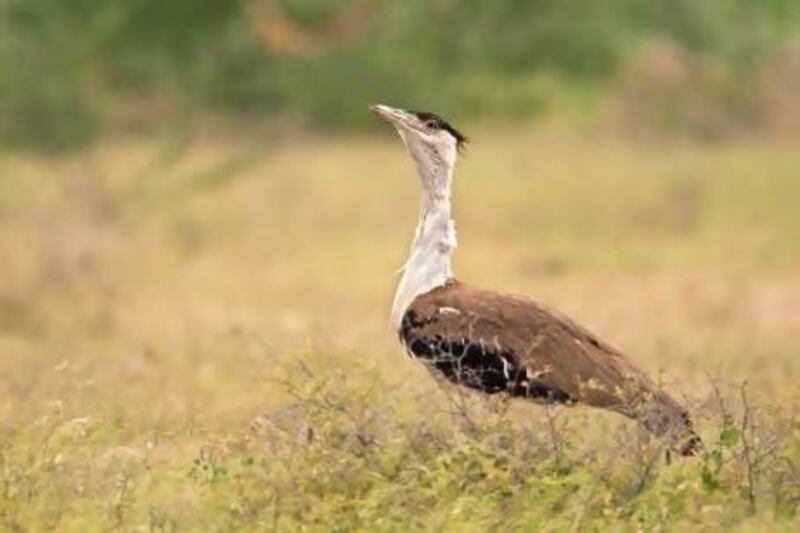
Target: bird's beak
x=399, y=118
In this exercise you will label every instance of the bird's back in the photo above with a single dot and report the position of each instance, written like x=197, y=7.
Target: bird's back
x=511, y=344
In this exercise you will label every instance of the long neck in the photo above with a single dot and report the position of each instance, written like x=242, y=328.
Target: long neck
x=428, y=265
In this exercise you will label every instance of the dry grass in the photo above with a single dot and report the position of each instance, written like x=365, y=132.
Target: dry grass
x=198, y=339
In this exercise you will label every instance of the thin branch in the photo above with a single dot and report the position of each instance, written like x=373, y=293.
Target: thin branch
x=554, y=433
x=751, y=494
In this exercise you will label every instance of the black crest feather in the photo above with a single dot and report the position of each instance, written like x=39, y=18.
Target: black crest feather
x=442, y=124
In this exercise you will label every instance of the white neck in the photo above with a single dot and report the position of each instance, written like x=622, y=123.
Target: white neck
x=428, y=265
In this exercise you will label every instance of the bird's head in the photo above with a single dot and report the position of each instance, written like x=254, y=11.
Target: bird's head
x=431, y=140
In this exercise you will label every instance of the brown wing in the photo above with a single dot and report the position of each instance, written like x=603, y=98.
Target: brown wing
x=501, y=343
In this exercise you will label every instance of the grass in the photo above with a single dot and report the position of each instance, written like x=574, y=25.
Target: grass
x=197, y=339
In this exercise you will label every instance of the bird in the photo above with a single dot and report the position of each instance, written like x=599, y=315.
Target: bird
x=503, y=344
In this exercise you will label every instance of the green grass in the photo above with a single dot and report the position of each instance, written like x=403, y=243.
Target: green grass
x=199, y=340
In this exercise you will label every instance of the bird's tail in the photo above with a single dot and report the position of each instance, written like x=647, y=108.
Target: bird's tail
x=666, y=418
x=691, y=446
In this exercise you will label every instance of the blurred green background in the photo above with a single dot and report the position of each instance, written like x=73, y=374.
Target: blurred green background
x=73, y=71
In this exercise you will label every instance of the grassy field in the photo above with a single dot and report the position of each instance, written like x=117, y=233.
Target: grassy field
x=194, y=336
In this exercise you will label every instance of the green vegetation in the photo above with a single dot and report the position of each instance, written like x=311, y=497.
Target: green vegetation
x=199, y=342
x=72, y=71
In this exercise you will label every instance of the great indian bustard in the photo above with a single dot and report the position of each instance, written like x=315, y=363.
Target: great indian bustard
x=498, y=343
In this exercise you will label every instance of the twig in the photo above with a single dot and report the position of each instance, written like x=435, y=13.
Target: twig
x=751, y=494
x=723, y=411
x=553, y=433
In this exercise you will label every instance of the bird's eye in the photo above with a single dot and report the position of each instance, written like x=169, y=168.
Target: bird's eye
x=431, y=125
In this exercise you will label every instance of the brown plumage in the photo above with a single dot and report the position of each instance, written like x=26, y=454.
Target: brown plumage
x=510, y=344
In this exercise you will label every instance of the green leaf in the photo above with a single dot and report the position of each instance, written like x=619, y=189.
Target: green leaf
x=710, y=481
x=730, y=436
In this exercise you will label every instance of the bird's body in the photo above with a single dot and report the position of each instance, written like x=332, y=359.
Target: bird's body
x=504, y=344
